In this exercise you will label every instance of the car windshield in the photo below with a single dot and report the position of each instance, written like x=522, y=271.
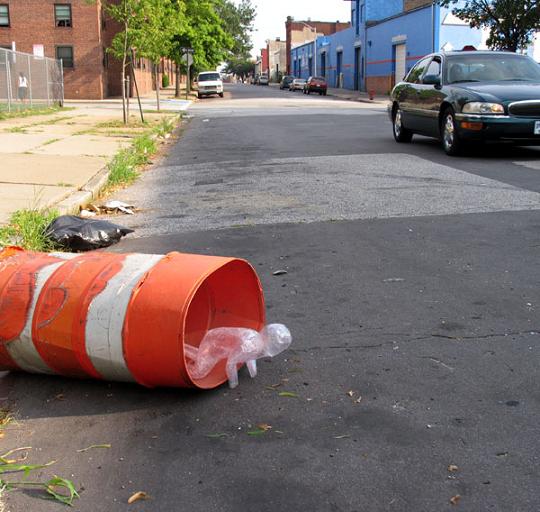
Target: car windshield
x=318, y=78
x=491, y=68
x=209, y=77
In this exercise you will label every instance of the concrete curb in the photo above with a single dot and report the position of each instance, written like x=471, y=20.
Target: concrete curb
x=82, y=197
x=380, y=103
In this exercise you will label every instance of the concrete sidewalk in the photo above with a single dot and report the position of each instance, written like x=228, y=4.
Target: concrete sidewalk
x=61, y=159
x=346, y=94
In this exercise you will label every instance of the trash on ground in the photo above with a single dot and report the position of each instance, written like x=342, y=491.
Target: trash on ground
x=452, y=468
x=108, y=208
x=236, y=346
x=455, y=499
x=288, y=394
x=138, y=496
x=394, y=280
x=118, y=206
x=78, y=234
x=280, y=273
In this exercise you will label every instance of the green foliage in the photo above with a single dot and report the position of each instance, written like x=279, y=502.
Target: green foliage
x=27, y=228
x=204, y=31
x=57, y=488
x=60, y=489
x=27, y=111
x=165, y=81
x=124, y=167
x=240, y=66
x=511, y=23
x=237, y=19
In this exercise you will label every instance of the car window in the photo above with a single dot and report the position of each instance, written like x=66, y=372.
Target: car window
x=434, y=68
x=491, y=67
x=417, y=71
x=209, y=77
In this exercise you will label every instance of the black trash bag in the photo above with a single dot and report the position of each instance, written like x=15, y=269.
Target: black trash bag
x=78, y=234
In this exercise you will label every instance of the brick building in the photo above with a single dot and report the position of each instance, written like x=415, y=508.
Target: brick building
x=78, y=32
x=277, y=58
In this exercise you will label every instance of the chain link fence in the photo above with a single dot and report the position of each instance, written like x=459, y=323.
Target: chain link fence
x=28, y=81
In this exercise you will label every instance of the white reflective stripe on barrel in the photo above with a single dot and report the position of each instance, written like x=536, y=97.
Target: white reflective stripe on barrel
x=22, y=350
x=106, y=315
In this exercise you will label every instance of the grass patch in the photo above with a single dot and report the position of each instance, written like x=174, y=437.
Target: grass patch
x=50, y=141
x=124, y=167
x=35, y=111
x=26, y=229
x=16, y=129
x=120, y=124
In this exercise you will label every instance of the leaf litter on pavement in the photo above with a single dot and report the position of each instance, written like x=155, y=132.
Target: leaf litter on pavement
x=57, y=488
x=91, y=447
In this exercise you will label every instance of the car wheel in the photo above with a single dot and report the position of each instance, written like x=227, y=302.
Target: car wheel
x=451, y=141
x=320, y=93
x=199, y=96
x=324, y=93
x=221, y=95
x=401, y=134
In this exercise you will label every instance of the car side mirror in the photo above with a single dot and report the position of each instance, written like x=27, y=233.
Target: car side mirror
x=432, y=80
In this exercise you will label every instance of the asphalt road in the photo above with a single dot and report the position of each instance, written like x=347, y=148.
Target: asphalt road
x=412, y=285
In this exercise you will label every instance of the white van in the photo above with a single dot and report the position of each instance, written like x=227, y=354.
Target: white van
x=209, y=83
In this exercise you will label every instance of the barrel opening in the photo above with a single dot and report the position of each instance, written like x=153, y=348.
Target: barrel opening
x=229, y=297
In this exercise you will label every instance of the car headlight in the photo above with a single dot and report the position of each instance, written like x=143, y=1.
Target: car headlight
x=477, y=107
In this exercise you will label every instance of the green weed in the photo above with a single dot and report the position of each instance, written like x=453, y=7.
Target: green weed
x=50, y=141
x=35, y=111
x=26, y=229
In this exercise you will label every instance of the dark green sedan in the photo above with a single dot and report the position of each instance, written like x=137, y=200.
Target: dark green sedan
x=465, y=97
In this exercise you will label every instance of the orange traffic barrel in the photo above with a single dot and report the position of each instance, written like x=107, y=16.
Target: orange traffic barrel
x=122, y=317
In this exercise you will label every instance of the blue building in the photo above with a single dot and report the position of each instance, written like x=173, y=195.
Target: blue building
x=384, y=41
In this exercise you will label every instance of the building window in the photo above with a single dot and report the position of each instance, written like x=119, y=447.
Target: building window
x=362, y=13
x=4, y=15
x=62, y=15
x=65, y=54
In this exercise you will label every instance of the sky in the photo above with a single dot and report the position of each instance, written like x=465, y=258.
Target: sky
x=271, y=16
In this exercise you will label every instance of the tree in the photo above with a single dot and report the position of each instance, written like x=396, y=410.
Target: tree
x=128, y=14
x=204, y=32
x=163, y=19
x=237, y=21
x=240, y=67
x=511, y=23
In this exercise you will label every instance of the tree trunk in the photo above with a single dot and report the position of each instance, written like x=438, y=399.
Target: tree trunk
x=135, y=84
x=177, y=89
x=157, y=87
x=124, y=58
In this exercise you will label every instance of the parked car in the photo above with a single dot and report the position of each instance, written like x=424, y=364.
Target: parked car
x=297, y=85
x=316, y=84
x=209, y=83
x=263, y=79
x=473, y=96
x=286, y=82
